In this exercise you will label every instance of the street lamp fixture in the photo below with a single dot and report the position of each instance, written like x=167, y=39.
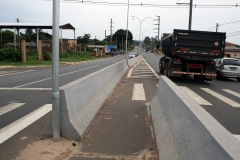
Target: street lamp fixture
x=141, y=21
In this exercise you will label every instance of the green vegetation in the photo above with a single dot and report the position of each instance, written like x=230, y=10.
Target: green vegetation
x=8, y=56
x=70, y=56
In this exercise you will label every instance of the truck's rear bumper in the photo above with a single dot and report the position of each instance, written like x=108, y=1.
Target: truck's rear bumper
x=195, y=73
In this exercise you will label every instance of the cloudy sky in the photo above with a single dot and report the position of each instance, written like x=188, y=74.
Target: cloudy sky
x=95, y=19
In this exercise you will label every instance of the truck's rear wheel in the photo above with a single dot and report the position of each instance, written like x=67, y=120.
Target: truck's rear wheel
x=166, y=69
x=161, y=69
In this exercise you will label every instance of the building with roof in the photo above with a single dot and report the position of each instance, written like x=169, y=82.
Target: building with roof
x=232, y=50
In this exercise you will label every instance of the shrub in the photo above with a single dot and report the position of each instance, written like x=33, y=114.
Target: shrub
x=31, y=56
x=47, y=56
x=9, y=54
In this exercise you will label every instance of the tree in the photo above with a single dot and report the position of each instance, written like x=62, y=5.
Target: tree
x=121, y=34
x=147, y=41
x=86, y=38
x=7, y=36
x=28, y=34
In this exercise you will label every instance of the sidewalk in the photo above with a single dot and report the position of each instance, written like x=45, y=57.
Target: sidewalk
x=121, y=131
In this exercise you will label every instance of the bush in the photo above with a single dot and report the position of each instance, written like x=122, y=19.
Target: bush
x=47, y=56
x=9, y=54
x=31, y=56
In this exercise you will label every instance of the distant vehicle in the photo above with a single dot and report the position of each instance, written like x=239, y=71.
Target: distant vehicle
x=228, y=68
x=132, y=55
x=189, y=52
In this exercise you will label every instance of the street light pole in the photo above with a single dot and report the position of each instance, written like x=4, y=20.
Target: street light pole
x=55, y=72
x=143, y=33
x=127, y=34
x=140, y=26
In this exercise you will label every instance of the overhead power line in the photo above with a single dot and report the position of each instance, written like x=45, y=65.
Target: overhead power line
x=233, y=35
x=224, y=24
x=151, y=5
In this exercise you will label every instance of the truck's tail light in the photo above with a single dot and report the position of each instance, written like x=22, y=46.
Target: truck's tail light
x=212, y=62
x=177, y=61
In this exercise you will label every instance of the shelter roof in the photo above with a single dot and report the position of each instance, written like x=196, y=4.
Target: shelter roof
x=33, y=26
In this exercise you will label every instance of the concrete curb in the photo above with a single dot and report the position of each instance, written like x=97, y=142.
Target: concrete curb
x=82, y=99
x=184, y=130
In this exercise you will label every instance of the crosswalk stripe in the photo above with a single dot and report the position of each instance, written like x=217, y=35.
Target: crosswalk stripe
x=237, y=136
x=10, y=107
x=221, y=97
x=232, y=92
x=195, y=96
x=17, y=126
x=151, y=69
x=138, y=92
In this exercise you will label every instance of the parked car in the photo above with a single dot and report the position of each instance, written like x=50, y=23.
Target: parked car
x=132, y=55
x=228, y=68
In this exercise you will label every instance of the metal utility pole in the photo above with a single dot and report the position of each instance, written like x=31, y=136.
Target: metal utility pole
x=1, y=36
x=217, y=27
x=122, y=43
x=190, y=16
x=105, y=44
x=127, y=34
x=55, y=72
x=158, y=25
x=111, y=30
x=116, y=42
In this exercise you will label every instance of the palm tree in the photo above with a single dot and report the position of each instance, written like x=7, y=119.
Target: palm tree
x=86, y=38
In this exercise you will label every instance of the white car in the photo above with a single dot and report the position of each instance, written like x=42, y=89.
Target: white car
x=132, y=55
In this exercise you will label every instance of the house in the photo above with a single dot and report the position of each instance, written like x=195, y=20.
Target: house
x=232, y=50
x=69, y=43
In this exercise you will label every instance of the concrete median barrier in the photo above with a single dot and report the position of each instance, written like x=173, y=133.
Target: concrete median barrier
x=81, y=99
x=184, y=130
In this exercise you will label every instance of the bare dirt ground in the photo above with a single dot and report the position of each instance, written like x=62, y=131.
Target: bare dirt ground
x=68, y=149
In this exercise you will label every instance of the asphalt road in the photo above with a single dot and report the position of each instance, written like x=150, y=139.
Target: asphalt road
x=29, y=89
x=223, y=96
x=23, y=91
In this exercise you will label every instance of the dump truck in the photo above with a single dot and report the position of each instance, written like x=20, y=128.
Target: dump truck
x=190, y=52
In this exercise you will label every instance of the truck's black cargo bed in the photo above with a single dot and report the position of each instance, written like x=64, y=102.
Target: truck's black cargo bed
x=187, y=43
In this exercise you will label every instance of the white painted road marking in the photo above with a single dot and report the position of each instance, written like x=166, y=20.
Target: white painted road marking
x=232, y=92
x=51, y=77
x=152, y=69
x=31, y=89
x=138, y=92
x=10, y=107
x=237, y=136
x=130, y=73
x=17, y=73
x=195, y=96
x=15, y=127
x=221, y=97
